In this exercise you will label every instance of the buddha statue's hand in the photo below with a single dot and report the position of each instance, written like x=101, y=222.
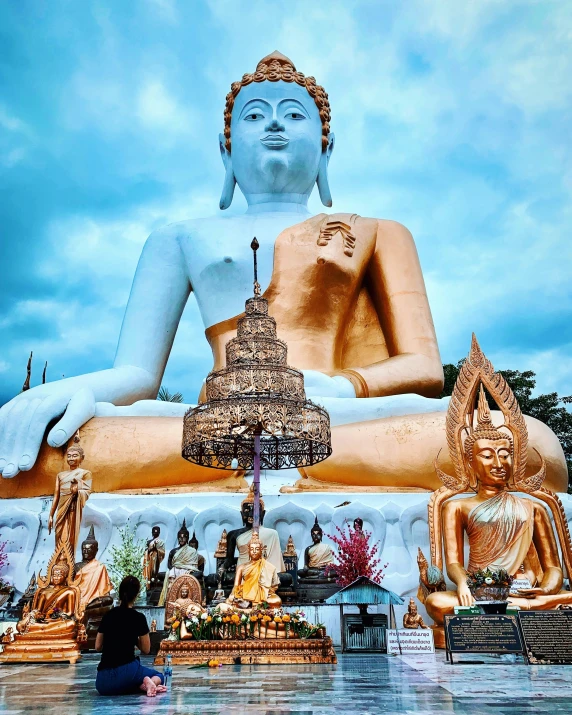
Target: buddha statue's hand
x=24, y=419
x=532, y=592
x=317, y=384
x=464, y=594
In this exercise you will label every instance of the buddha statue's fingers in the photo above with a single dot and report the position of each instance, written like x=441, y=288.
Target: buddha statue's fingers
x=79, y=410
x=14, y=429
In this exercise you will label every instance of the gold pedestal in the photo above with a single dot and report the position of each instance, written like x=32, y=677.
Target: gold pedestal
x=248, y=652
x=34, y=649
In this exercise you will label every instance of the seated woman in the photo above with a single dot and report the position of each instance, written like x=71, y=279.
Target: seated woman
x=121, y=629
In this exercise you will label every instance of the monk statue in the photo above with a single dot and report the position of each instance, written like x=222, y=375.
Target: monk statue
x=504, y=530
x=318, y=557
x=152, y=558
x=239, y=539
x=412, y=619
x=347, y=292
x=95, y=587
x=51, y=629
x=72, y=490
x=183, y=559
x=256, y=582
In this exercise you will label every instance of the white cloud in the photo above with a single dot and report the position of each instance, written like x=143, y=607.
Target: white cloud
x=12, y=123
x=158, y=109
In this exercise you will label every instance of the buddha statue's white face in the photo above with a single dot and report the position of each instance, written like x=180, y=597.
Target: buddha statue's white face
x=276, y=134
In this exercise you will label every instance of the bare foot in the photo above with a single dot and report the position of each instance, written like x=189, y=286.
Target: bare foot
x=161, y=689
x=149, y=686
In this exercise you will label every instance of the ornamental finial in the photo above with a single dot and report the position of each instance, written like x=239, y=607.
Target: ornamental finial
x=255, y=245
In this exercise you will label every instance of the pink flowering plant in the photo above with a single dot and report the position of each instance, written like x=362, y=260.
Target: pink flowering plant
x=356, y=556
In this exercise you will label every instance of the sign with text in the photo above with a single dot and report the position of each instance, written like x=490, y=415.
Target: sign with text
x=547, y=636
x=408, y=641
x=496, y=633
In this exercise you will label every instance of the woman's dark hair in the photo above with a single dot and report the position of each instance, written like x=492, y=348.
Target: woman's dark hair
x=129, y=590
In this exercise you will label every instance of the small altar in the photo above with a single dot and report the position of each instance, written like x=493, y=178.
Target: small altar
x=249, y=652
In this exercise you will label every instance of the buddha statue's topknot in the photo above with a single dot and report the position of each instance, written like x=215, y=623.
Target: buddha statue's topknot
x=275, y=67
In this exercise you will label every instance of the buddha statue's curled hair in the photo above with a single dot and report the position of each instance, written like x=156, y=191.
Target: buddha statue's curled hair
x=273, y=68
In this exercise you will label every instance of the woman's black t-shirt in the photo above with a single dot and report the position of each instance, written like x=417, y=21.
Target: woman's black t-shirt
x=121, y=628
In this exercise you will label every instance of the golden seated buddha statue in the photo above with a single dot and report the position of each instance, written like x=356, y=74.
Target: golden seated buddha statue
x=256, y=582
x=505, y=531
x=51, y=629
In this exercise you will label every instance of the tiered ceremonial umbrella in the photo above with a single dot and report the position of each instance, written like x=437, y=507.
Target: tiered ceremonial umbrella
x=256, y=415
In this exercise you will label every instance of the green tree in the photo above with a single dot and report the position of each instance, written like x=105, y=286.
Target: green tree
x=550, y=408
x=165, y=396
x=127, y=558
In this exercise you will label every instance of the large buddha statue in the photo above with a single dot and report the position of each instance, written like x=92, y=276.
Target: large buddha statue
x=347, y=292
x=505, y=531
x=51, y=628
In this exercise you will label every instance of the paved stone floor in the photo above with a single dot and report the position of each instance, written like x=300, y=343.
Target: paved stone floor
x=361, y=685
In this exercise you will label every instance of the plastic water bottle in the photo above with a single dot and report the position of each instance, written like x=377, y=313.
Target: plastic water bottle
x=168, y=672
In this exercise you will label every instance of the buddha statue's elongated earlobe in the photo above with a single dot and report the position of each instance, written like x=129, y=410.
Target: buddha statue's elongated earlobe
x=322, y=180
x=229, y=179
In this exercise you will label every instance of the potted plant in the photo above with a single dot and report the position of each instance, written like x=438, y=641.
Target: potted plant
x=490, y=587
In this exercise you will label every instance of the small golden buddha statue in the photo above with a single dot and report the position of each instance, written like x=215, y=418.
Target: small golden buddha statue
x=255, y=582
x=504, y=530
x=220, y=552
x=152, y=558
x=50, y=630
x=183, y=601
x=412, y=619
x=290, y=550
x=71, y=492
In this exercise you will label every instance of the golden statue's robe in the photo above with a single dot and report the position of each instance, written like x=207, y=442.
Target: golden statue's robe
x=500, y=533
x=258, y=578
x=70, y=506
x=93, y=582
x=331, y=315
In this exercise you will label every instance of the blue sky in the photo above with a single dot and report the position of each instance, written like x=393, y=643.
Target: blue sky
x=450, y=117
